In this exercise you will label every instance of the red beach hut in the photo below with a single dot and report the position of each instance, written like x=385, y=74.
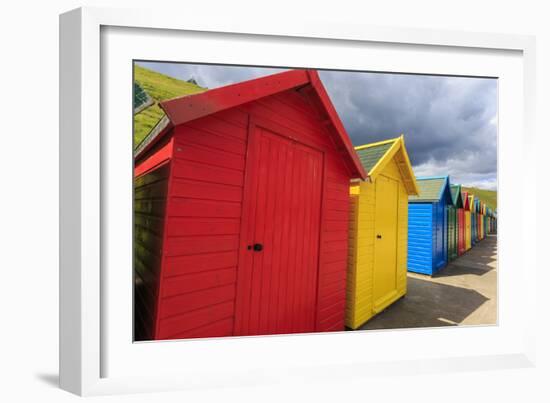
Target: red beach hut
x=456, y=194
x=241, y=212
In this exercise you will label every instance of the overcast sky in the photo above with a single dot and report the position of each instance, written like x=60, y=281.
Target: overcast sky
x=449, y=123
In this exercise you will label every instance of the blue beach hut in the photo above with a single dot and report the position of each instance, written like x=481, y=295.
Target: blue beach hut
x=475, y=221
x=427, y=240
x=473, y=215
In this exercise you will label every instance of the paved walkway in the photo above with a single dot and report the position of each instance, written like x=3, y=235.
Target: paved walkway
x=463, y=293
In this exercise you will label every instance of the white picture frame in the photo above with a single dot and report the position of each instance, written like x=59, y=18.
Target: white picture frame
x=96, y=356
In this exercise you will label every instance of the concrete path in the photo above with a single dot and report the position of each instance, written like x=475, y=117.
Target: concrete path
x=463, y=293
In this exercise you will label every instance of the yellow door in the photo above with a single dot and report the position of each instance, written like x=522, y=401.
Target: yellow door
x=468, y=229
x=385, y=242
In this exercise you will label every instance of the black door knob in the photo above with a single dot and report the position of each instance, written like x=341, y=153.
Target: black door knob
x=378, y=236
x=258, y=247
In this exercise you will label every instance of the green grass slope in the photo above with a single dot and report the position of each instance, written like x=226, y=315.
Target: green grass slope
x=488, y=197
x=159, y=87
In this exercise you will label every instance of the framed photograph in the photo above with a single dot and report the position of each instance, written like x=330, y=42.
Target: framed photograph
x=253, y=205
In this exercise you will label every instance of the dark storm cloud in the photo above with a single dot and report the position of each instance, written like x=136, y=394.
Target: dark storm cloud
x=443, y=118
x=449, y=122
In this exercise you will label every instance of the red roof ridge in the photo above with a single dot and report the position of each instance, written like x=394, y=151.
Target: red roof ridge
x=190, y=107
x=186, y=108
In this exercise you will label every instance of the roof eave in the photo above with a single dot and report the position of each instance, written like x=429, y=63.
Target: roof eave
x=415, y=189
x=378, y=143
x=162, y=127
x=397, y=146
x=458, y=197
x=184, y=109
x=446, y=189
x=319, y=88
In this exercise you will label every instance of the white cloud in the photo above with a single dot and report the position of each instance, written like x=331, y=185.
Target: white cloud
x=458, y=172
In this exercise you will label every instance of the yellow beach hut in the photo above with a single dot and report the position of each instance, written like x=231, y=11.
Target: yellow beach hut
x=377, y=264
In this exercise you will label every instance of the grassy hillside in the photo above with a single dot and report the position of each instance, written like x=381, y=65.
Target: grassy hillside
x=486, y=196
x=159, y=87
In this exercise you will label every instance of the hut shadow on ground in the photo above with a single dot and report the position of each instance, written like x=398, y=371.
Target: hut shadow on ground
x=459, y=270
x=476, y=261
x=428, y=304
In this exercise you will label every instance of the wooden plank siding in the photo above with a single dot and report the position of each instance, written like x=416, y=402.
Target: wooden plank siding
x=428, y=225
x=204, y=211
x=359, y=295
x=202, y=231
x=361, y=252
x=150, y=192
x=392, y=171
x=467, y=230
x=452, y=233
x=402, y=241
x=293, y=113
x=440, y=236
x=460, y=228
x=421, y=234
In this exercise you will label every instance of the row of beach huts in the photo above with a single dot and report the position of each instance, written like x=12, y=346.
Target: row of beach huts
x=433, y=223
x=254, y=214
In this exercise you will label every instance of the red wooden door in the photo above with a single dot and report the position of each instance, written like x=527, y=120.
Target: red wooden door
x=278, y=265
x=460, y=215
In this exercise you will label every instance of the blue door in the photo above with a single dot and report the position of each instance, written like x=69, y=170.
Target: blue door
x=439, y=217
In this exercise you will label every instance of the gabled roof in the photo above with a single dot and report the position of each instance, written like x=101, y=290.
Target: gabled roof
x=465, y=201
x=471, y=203
x=456, y=196
x=184, y=109
x=432, y=189
x=375, y=157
